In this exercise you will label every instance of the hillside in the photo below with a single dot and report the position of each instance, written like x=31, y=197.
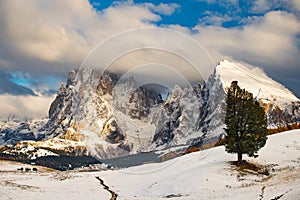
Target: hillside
x=202, y=175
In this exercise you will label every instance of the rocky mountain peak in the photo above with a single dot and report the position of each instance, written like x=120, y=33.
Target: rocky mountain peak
x=281, y=105
x=102, y=115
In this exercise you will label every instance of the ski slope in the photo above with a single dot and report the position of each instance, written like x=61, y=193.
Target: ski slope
x=202, y=175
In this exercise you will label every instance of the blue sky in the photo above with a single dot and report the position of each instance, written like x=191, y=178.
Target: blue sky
x=190, y=13
x=42, y=40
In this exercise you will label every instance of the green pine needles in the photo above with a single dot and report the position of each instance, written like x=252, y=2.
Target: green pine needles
x=246, y=124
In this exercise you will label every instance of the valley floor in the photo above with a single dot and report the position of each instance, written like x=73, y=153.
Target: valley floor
x=207, y=174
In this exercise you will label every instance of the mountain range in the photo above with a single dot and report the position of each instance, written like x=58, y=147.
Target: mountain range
x=95, y=114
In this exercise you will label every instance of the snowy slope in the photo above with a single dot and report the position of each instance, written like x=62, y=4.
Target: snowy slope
x=282, y=107
x=46, y=184
x=201, y=175
x=208, y=175
x=255, y=81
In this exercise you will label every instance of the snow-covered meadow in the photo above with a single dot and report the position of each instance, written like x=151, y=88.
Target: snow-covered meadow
x=202, y=175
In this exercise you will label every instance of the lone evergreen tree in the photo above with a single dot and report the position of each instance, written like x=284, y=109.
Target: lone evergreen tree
x=245, y=121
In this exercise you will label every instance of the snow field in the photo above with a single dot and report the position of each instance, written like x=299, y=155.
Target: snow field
x=201, y=175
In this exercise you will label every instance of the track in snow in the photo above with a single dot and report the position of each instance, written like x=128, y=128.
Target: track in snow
x=106, y=187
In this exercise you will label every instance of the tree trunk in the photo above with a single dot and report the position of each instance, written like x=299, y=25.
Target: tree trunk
x=240, y=158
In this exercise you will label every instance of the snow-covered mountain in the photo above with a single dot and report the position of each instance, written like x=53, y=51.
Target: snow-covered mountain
x=13, y=130
x=113, y=118
x=101, y=115
x=281, y=105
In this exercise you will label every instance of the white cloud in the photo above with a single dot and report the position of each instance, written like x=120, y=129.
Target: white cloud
x=153, y=45
x=33, y=30
x=222, y=2
x=261, y=6
x=4, y=63
x=162, y=8
x=268, y=41
x=24, y=106
x=296, y=4
x=63, y=31
x=214, y=19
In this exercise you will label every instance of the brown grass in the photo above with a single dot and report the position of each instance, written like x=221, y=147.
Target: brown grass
x=250, y=168
x=191, y=150
x=283, y=128
x=272, y=131
x=221, y=142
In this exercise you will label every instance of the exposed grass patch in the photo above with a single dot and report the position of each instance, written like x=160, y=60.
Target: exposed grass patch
x=173, y=195
x=21, y=186
x=251, y=168
x=221, y=142
x=191, y=150
x=283, y=128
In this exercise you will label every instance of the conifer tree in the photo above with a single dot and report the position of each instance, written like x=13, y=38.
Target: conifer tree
x=246, y=124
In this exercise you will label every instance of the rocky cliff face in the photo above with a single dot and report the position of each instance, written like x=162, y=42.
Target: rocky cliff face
x=140, y=102
x=93, y=108
x=177, y=122
x=281, y=117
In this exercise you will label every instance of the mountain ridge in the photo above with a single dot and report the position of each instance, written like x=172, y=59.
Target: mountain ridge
x=93, y=114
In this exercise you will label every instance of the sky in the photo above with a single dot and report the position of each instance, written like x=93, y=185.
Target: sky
x=41, y=40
